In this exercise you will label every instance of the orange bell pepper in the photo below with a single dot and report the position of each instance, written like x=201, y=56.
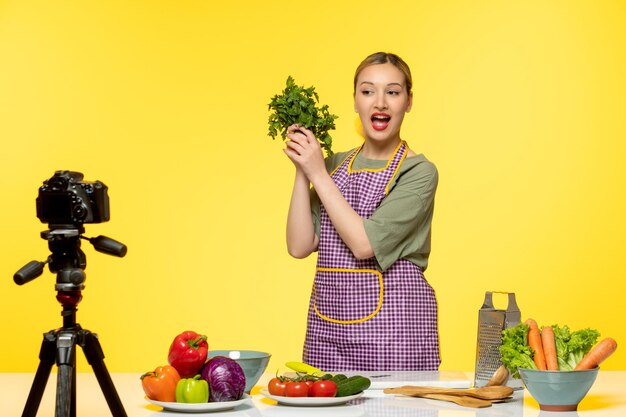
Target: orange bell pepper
x=160, y=385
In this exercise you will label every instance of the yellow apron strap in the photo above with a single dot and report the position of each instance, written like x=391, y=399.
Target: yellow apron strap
x=395, y=172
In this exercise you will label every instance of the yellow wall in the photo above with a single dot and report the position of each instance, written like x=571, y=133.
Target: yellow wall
x=521, y=105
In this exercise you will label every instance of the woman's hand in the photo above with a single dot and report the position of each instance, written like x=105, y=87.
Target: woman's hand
x=305, y=151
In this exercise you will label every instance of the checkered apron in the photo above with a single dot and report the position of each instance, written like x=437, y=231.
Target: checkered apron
x=360, y=319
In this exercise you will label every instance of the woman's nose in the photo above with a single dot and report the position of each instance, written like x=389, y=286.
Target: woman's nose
x=380, y=103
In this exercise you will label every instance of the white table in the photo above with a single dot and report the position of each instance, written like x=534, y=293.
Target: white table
x=607, y=398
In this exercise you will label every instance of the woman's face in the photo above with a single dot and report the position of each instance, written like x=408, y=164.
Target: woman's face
x=381, y=100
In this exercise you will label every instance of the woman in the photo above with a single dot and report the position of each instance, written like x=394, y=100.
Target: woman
x=368, y=214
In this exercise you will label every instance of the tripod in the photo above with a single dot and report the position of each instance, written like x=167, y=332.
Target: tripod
x=59, y=346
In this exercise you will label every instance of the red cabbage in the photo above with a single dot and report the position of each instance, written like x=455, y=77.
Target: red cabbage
x=225, y=377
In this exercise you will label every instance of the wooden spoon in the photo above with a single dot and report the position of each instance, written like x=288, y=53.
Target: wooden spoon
x=485, y=393
x=499, y=377
x=460, y=400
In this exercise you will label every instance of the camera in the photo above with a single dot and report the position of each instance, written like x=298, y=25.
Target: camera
x=65, y=199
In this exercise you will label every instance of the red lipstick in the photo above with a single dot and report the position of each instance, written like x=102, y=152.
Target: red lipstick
x=380, y=121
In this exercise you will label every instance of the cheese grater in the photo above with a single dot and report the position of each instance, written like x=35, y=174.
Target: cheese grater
x=491, y=322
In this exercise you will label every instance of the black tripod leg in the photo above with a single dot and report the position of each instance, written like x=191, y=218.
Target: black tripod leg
x=47, y=355
x=95, y=357
x=66, y=378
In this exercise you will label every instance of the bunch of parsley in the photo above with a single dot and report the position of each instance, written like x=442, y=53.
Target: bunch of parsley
x=299, y=105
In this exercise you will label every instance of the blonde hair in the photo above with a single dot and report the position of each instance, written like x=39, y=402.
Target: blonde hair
x=383, y=58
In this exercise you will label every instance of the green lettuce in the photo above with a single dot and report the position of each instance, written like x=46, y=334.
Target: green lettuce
x=514, y=350
x=572, y=346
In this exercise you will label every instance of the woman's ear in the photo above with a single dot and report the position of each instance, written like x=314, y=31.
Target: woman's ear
x=410, y=103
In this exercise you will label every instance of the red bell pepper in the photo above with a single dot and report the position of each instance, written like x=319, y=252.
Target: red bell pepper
x=188, y=353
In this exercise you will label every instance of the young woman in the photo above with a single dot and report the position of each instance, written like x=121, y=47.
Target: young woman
x=368, y=213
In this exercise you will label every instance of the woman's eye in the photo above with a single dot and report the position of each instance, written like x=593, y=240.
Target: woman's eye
x=367, y=92
x=393, y=93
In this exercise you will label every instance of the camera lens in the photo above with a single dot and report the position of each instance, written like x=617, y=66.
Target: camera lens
x=79, y=212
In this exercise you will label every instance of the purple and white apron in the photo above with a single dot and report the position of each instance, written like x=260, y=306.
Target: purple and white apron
x=359, y=318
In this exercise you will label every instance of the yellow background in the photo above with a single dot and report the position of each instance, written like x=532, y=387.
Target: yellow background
x=521, y=105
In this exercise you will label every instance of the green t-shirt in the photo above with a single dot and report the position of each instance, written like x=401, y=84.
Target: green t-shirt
x=400, y=226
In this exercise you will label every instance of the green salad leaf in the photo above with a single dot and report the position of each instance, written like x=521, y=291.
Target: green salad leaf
x=572, y=346
x=515, y=351
x=297, y=104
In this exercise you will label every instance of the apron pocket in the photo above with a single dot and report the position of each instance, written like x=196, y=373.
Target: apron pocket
x=347, y=296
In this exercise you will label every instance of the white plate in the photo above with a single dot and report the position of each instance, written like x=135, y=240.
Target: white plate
x=309, y=401
x=199, y=407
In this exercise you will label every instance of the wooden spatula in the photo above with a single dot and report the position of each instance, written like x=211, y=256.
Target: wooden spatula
x=460, y=400
x=483, y=393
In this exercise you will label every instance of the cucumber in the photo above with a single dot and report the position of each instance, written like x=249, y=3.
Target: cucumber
x=352, y=385
x=350, y=379
x=338, y=378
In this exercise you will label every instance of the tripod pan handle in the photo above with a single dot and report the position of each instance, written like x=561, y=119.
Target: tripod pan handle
x=109, y=246
x=29, y=272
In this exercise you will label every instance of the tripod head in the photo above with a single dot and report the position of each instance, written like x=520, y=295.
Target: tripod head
x=67, y=260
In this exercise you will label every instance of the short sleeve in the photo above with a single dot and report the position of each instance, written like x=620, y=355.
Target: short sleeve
x=401, y=226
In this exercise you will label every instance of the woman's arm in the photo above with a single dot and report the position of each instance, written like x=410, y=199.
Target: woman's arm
x=305, y=152
x=301, y=237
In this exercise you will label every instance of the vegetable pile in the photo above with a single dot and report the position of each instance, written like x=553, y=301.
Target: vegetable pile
x=191, y=378
x=311, y=382
x=297, y=104
x=553, y=348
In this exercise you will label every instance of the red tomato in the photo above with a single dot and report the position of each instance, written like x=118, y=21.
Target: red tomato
x=309, y=384
x=276, y=387
x=323, y=388
x=297, y=389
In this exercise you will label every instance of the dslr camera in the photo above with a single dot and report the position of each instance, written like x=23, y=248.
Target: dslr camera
x=65, y=199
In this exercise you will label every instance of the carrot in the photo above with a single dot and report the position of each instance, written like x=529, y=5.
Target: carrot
x=534, y=341
x=549, y=348
x=598, y=354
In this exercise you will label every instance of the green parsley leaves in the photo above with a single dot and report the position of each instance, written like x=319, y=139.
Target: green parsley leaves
x=297, y=104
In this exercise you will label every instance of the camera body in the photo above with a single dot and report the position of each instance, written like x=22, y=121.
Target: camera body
x=65, y=199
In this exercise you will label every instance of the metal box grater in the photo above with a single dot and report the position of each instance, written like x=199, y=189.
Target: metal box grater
x=491, y=322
